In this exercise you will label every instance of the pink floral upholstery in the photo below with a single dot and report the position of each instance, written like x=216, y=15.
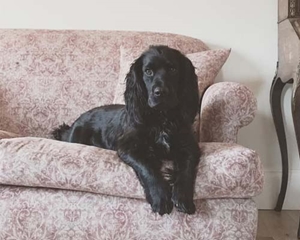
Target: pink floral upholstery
x=70, y=191
x=226, y=107
x=225, y=170
x=35, y=214
x=48, y=77
x=5, y=134
x=207, y=65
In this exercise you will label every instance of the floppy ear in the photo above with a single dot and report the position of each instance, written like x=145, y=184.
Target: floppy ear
x=136, y=94
x=189, y=95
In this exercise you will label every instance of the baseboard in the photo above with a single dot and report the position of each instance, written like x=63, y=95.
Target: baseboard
x=268, y=198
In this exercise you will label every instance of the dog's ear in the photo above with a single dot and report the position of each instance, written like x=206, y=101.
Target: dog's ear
x=135, y=93
x=189, y=95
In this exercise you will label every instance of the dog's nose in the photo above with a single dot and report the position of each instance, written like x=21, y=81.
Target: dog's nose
x=158, y=91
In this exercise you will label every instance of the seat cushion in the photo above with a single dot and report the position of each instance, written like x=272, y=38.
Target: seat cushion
x=225, y=170
x=5, y=134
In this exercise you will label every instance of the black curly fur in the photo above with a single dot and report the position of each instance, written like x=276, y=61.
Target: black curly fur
x=161, y=102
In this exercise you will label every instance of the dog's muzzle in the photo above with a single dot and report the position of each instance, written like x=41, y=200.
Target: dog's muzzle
x=162, y=99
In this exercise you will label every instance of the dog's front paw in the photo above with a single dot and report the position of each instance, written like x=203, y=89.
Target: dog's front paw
x=183, y=200
x=159, y=196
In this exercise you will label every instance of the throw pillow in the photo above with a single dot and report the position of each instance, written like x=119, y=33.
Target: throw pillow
x=207, y=65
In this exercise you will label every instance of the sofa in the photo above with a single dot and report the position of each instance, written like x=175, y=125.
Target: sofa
x=57, y=190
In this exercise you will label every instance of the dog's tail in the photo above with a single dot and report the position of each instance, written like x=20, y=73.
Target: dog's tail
x=60, y=132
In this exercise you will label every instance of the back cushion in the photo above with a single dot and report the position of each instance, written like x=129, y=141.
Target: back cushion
x=49, y=77
x=207, y=65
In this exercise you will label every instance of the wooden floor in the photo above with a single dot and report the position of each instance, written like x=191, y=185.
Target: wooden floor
x=277, y=225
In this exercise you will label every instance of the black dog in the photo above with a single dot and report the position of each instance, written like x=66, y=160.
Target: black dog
x=162, y=101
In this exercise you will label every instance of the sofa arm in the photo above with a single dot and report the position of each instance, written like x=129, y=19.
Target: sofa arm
x=226, y=107
x=225, y=170
x=228, y=170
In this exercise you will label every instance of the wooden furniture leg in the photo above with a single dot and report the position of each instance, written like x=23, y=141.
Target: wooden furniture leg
x=275, y=101
x=298, y=234
x=296, y=119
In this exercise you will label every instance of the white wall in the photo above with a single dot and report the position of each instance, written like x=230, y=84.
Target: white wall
x=248, y=27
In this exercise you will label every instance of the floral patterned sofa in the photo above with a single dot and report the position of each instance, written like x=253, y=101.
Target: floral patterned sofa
x=57, y=190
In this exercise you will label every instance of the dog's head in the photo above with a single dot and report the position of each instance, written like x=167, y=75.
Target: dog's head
x=161, y=79
x=161, y=76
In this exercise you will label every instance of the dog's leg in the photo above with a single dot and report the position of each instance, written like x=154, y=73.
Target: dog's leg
x=136, y=152
x=186, y=156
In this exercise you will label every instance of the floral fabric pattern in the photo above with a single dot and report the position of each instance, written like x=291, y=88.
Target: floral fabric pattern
x=4, y=134
x=35, y=214
x=225, y=170
x=49, y=77
x=226, y=107
x=58, y=190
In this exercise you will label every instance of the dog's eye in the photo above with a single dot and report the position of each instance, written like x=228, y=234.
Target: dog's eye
x=173, y=70
x=149, y=72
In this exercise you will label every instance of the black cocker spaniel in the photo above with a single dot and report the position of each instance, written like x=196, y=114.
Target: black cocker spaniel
x=161, y=102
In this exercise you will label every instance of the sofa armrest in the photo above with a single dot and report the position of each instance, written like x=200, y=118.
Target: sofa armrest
x=226, y=107
x=228, y=170
x=225, y=170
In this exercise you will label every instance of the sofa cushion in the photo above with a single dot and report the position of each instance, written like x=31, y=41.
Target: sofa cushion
x=207, y=65
x=5, y=134
x=225, y=170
